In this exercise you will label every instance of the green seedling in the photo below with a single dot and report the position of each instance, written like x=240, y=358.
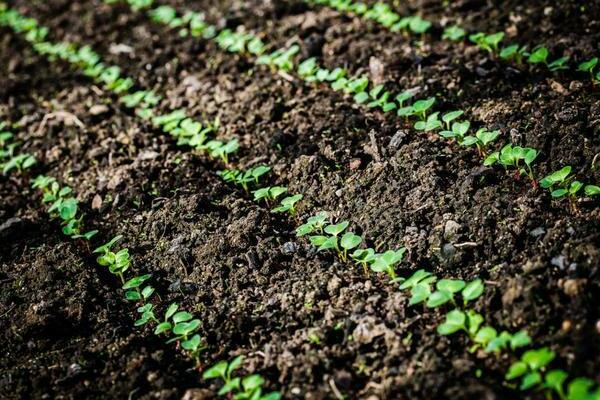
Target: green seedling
x=166, y=326
x=451, y=116
x=458, y=131
x=592, y=190
x=514, y=52
x=386, y=262
x=183, y=326
x=540, y=54
x=288, y=205
x=117, y=262
x=581, y=388
x=246, y=388
x=134, y=291
x=146, y=312
x=222, y=150
x=420, y=108
x=18, y=162
x=244, y=178
x=560, y=184
x=511, y=157
x=454, y=33
x=314, y=224
x=269, y=194
x=324, y=242
x=165, y=15
x=281, y=59
x=431, y=123
x=364, y=257
x=588, y=66
x=401, y=98
x=380, y=99
x=482, y=139
x=485, y=42
x=530, y=367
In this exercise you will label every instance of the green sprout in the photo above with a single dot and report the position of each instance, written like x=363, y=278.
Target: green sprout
x=244, y=178
x=514, y=52
x=458, y=131
x=482, y=139
x=380, y=99
x=314, y=224
x=281, y=59
x=324, y=242
x=560, y=184
x=530, y=367
x=454, y=33
x=133, y=289
x=540, y=54
x=420, y=107
x=588, y=66
x=117, y=262
x=511, y=157
x=364, y=257
x=489, y=42
x=288, y=205
x=431, y=123
x=386, y=262
x=222, y=150
x=269, y=194
x=246, y=388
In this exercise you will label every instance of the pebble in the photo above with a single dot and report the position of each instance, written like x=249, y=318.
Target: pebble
x=289, y=248
x=558, y=261
x=451, y=230
x=537, y=232
x=448, y=251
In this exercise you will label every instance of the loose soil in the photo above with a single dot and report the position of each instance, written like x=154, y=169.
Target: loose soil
x=259, y=290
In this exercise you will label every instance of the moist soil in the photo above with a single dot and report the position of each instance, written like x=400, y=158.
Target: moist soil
x=312, y=326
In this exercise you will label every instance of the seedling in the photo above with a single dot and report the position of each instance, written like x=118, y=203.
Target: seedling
x=482, y=139
x=420, y=108
x=219, y=149
x=269, y=194
x=281, y=59
x=324, y=242
x=314, y=224
x=387, y=262
x=134, y=291
x=19, y=162
x=458, y=131
x=454, y=33
x=539, y=55
x=511, y=157
x=485, y=42
x=288, y=205
x=530, y=367
x=244, y=178
x=514, y=52
x=380, y=99
x=117, y=262
x=560, y=184
x=588, y=66
x=246, y=388
x=364, y=257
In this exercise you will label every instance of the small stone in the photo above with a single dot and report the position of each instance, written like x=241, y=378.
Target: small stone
x=74, y=369
x=572, y=287
x=98, y=109
x=566, y=325
x=397, y=139
x=451, y=230
x=96, y=202
x=354, y=164
x=558, y=261
x=289, y=248
x=537, y=232
x=448, y=251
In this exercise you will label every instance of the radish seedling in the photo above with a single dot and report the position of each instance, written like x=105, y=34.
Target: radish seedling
x=288, y=205
x=489, y=42
x=269, y=194
x=588, y=66
x=314, y=224
x=246, y=388
x=117, y=262
x=458, y=131
x=134, y=291
x=386, y=262
x=364, y=257
x=482, y=139
x=244, y=178
x=514, y=52
x=511, y=157
x=454, y=33
x=281, y=59
x=530, y=367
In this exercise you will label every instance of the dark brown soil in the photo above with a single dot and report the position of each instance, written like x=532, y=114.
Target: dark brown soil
x=260, y=291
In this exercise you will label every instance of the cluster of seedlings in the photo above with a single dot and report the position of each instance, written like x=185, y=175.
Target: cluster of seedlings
x=180, y=326
x=491, y=43
x=10, y=158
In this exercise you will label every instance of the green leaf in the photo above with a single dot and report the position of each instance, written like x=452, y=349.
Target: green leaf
x=450, y=285
x=136, y=282
x=171, y=310
x=317, y=240
x=234, y=364
x=216, y=371
x=520, y=339
x=361, y=97
x=349, y=241
x=132, y=295
x=252, y=382
x=530, y=380
x=472, y=290
x=579, y=389
x=555, y=379
x=485, y=335
x=185, y=328
x=537, y=359
x=438, y=298
x=162, y=328
x=147, y=292
x=516, y=370
x=555, y=177
x=191, y=344
x=414, y=279
x=337, y=228
x=233, y=384
x=455, y=321
x=420, y=292
x=592, y=190
x=182, y=316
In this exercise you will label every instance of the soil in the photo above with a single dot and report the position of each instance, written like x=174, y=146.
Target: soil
x=260, y=291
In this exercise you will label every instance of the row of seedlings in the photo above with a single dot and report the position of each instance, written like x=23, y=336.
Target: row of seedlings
x=492, y=43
